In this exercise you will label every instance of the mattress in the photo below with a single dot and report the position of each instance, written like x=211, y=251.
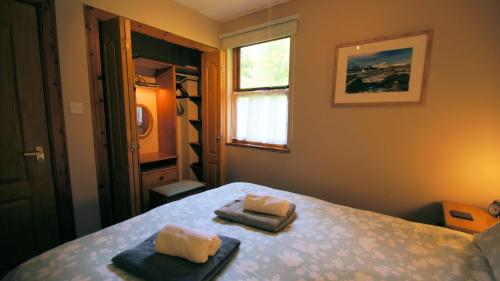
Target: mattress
x=325, y=242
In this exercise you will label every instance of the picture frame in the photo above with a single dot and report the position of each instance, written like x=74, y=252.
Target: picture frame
x=385, y=70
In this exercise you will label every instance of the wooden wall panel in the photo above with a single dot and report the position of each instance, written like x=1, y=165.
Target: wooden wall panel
x=119, y=99
x=166, y=103
x=92, y=18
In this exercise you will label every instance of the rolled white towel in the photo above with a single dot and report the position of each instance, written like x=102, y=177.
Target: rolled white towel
x=266, y=204
x=184, y=242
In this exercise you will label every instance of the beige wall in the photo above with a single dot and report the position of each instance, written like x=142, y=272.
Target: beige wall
x=163, y=14
x=398, y=160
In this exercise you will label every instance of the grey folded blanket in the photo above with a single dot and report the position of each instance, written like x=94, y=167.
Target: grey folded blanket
x=144, y=262
x=234, y=211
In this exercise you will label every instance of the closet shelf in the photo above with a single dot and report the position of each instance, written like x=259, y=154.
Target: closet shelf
x=197, y=148
x=195, y=144
x=197, y=168
x=149, y=63
x=155, y=156
x=196, y=165
x=195, y=98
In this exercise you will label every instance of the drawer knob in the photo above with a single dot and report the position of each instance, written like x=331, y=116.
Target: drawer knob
x=161, y=178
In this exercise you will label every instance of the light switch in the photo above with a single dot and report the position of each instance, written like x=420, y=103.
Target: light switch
x=76, y=108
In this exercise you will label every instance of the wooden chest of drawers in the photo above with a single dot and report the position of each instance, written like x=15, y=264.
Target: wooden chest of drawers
x=155, y=178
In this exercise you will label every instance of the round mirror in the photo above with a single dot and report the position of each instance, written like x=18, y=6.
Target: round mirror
x=144, y=121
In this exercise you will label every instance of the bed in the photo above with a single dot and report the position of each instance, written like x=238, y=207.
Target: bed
x=325, y=242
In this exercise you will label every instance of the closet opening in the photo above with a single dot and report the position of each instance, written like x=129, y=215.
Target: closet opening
x=157, y=112
x=168, y=102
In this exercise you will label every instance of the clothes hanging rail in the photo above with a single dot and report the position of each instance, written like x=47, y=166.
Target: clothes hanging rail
x=147, y=85
x=187, y=76
x=141, y=82
x=181, y=78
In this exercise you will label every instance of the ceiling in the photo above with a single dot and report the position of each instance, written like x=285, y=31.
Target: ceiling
x=224, y=10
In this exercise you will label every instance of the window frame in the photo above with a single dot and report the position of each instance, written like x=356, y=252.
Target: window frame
x=283, y=148
x=236, y=68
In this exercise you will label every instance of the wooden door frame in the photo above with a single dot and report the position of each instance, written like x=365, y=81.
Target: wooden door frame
x=55, y=116
x=92, y=18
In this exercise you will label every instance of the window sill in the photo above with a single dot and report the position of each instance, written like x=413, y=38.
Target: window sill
x=269, y=147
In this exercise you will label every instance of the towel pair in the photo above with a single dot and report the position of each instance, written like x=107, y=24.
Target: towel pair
x=260, y=211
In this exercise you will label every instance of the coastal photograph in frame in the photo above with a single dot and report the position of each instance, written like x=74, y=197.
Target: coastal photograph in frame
x=383, y=70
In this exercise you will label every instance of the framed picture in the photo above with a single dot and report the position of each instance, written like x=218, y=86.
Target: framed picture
x=383, y=70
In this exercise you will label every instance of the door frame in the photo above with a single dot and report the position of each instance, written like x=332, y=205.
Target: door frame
x=92, y=18
x=55, y=116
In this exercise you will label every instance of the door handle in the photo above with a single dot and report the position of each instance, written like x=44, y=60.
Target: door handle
x=38, y=153
x=219, y=138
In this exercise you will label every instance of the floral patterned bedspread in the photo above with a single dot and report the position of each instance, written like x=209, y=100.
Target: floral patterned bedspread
x=325, y=242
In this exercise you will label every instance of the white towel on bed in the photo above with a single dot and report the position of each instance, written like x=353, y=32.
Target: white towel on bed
x=187, y=243
x=266, y=204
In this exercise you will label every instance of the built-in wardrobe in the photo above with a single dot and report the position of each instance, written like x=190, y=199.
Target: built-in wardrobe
x=157, y=111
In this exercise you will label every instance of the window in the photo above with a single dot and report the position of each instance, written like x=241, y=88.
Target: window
x=261, y=93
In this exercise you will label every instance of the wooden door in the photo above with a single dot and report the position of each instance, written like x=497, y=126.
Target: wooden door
x=213, y=110
x=28, y=214
x=121, y=123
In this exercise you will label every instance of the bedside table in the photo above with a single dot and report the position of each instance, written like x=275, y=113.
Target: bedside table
x=482, y=220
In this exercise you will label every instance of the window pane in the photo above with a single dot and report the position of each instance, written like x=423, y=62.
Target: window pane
x=265, y=65
x=262, y=117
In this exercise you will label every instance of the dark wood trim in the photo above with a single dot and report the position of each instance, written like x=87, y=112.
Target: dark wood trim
x=259, y=145
x=236, y=69
x=55, y=112
x=92, y=18
x=131, y=122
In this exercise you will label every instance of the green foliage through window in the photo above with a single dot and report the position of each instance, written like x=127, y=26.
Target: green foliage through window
x=265, y=65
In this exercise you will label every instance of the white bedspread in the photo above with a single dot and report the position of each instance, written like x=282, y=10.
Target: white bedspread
x=325, y=242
